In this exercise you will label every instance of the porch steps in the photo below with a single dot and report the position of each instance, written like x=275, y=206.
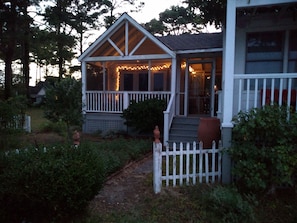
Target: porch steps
x=183, y=129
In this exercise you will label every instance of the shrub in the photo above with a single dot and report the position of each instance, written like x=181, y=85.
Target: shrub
x=12, y=117
x=36, y=185
x=57, y=127
x=145, y=115
x=264, y=148
x=225, y=204
x=63, y=103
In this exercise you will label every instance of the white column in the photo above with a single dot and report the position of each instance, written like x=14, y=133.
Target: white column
x=228, y=63
x=104, y=76
x=84, y=85
x=186, y=98
x=149, y=88
x=173, y=76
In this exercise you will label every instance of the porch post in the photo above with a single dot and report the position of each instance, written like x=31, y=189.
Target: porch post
x=186, y=98
x=104, y=77
x=173, y=76
x=212, y=90
x=228, y=86
x=84, y=85
x=149, y=87
x=178, y=75
x=84, y=88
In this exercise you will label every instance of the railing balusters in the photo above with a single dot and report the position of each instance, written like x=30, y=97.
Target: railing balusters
x=252, y=90
x=247, y=95
x=117, y=101
x=272, y=91
x=256, y=90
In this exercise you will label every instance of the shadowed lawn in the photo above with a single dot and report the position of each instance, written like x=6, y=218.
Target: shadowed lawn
x=37, y=118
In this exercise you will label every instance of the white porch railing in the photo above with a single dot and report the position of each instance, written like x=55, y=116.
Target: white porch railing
x=117, y=101
x=256, y=90
x=168, y=117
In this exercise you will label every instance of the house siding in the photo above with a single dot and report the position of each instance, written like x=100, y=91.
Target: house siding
x=103, y=122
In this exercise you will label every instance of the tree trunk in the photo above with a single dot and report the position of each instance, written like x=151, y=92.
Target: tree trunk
x=26, y=62
x=8, y=74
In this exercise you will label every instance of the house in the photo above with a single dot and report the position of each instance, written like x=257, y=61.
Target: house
x=251, y=63
x=37, y=93
x=128, y=63
x=259, y=60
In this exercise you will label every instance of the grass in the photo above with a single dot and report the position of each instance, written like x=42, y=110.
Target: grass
x=193, y=204
x=37, y=118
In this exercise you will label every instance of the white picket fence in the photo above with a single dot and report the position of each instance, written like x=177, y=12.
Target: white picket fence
x=186, y=165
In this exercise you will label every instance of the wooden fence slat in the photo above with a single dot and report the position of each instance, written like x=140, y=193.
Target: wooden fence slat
x=206, y=166
x=181, y=164
x=194, y=162
x=188, y=164
x=174, y=164
x=200, y=161
x=213, y=164
x=167, y=165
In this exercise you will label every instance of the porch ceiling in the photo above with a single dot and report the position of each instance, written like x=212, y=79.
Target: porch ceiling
x=275, y=11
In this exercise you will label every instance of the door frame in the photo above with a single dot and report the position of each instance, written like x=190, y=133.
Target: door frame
x=212, y=78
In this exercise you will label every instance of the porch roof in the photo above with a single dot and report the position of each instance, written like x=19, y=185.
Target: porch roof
x=193, y=41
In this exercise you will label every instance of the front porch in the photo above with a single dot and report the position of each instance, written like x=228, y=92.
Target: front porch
x=252, y=91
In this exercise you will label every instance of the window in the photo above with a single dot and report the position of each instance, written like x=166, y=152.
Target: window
x=128, y=82
x=158, y=82
x=94, y=78
x=143, y=82
x=292, y=63
x=264, y=52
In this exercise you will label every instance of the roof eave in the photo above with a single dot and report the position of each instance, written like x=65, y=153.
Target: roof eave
x=211, y=50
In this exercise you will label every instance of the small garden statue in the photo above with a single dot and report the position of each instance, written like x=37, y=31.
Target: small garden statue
x=156, y=134
x=76, y=138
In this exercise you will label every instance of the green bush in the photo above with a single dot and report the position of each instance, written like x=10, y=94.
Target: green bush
x=225, y=204
x=36, y=185
x=57, y=127
x=12, y=117
x=145, y=115
x=63, y=103
x=264, y=148
x=58, y=184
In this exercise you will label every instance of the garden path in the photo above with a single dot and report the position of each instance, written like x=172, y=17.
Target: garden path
x=126, y=187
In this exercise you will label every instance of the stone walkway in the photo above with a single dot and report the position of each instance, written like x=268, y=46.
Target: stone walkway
x=125, y=187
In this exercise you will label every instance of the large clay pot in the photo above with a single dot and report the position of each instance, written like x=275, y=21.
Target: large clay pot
x=209, y=130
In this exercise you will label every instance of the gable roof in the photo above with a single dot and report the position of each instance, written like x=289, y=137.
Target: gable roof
x=193, y=41
x=127, y=33
x=123, y=33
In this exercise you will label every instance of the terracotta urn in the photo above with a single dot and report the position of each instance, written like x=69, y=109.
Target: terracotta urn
x=209, y=130
x=76, y=138
x=156, y=134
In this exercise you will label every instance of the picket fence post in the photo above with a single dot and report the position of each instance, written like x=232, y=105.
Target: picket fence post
x=157, y=163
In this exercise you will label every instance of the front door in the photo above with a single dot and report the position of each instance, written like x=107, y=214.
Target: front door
x=200, y=90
